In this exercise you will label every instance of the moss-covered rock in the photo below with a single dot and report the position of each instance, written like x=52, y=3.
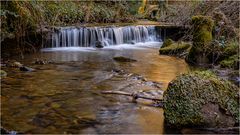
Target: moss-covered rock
x=177, y=49
x=167, y=43
x=202, y=37
x=201, y=99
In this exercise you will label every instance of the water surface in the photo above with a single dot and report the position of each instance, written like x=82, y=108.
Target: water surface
x=65, y=97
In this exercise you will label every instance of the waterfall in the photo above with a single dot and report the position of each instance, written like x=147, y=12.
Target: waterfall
x=90, y=36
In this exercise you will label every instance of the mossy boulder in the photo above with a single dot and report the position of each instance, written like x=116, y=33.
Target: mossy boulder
x=167, y=43
x=202, y=37
x=180, y=49
x=201, y=99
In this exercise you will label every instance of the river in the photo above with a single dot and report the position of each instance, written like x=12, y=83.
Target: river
x=65, y=97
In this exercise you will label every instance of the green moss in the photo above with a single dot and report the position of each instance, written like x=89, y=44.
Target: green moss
x=231, y=48
x=175, y=49
x=231, y=62
x=3, y=73
x=202, y=37
x=167, y=42
x=186, y=95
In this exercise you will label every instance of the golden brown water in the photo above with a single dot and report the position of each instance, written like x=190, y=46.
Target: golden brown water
x=65, y=97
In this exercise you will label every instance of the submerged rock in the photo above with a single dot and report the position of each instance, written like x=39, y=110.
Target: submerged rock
x=123, y=59
x=201, y=99
x=24, y=68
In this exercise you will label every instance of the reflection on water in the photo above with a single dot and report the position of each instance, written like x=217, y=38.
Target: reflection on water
x=65, y=97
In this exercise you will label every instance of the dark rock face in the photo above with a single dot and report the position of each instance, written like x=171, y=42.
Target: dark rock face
x=123, y=59
x=201, y=99
x=214, y=116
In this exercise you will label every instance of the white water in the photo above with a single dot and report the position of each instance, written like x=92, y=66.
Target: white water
x=106, y=36
x=139, y=45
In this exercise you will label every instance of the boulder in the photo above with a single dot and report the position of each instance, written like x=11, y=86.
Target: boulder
x=99, y=44
x=123, y=59
x=132, y=42
x=201, y=99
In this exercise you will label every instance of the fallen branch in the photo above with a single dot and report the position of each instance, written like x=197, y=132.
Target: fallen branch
x=134, y=95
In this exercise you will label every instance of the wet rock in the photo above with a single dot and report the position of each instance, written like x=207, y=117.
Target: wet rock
x=119, y=71
x=132, y=42
x=5, y=131
x=138, y=77
x=201, y=99
x=14, y=64
x=3, y=73
x=40, y=62
x=99, y=44
x=81, y=123
x=25, y=68
x=123, y=59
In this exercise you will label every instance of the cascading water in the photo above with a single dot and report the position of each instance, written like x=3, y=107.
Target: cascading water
x=105, y=36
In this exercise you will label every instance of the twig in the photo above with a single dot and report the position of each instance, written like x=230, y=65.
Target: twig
x=134, y=95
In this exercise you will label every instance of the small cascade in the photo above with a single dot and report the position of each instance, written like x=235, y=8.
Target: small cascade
x=90, y=36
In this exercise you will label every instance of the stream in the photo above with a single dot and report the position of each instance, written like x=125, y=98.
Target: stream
x=65, y=96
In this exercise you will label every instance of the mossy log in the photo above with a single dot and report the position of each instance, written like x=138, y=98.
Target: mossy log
x=177, y=49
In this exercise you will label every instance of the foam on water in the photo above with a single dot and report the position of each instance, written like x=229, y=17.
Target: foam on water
x=139, y=45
